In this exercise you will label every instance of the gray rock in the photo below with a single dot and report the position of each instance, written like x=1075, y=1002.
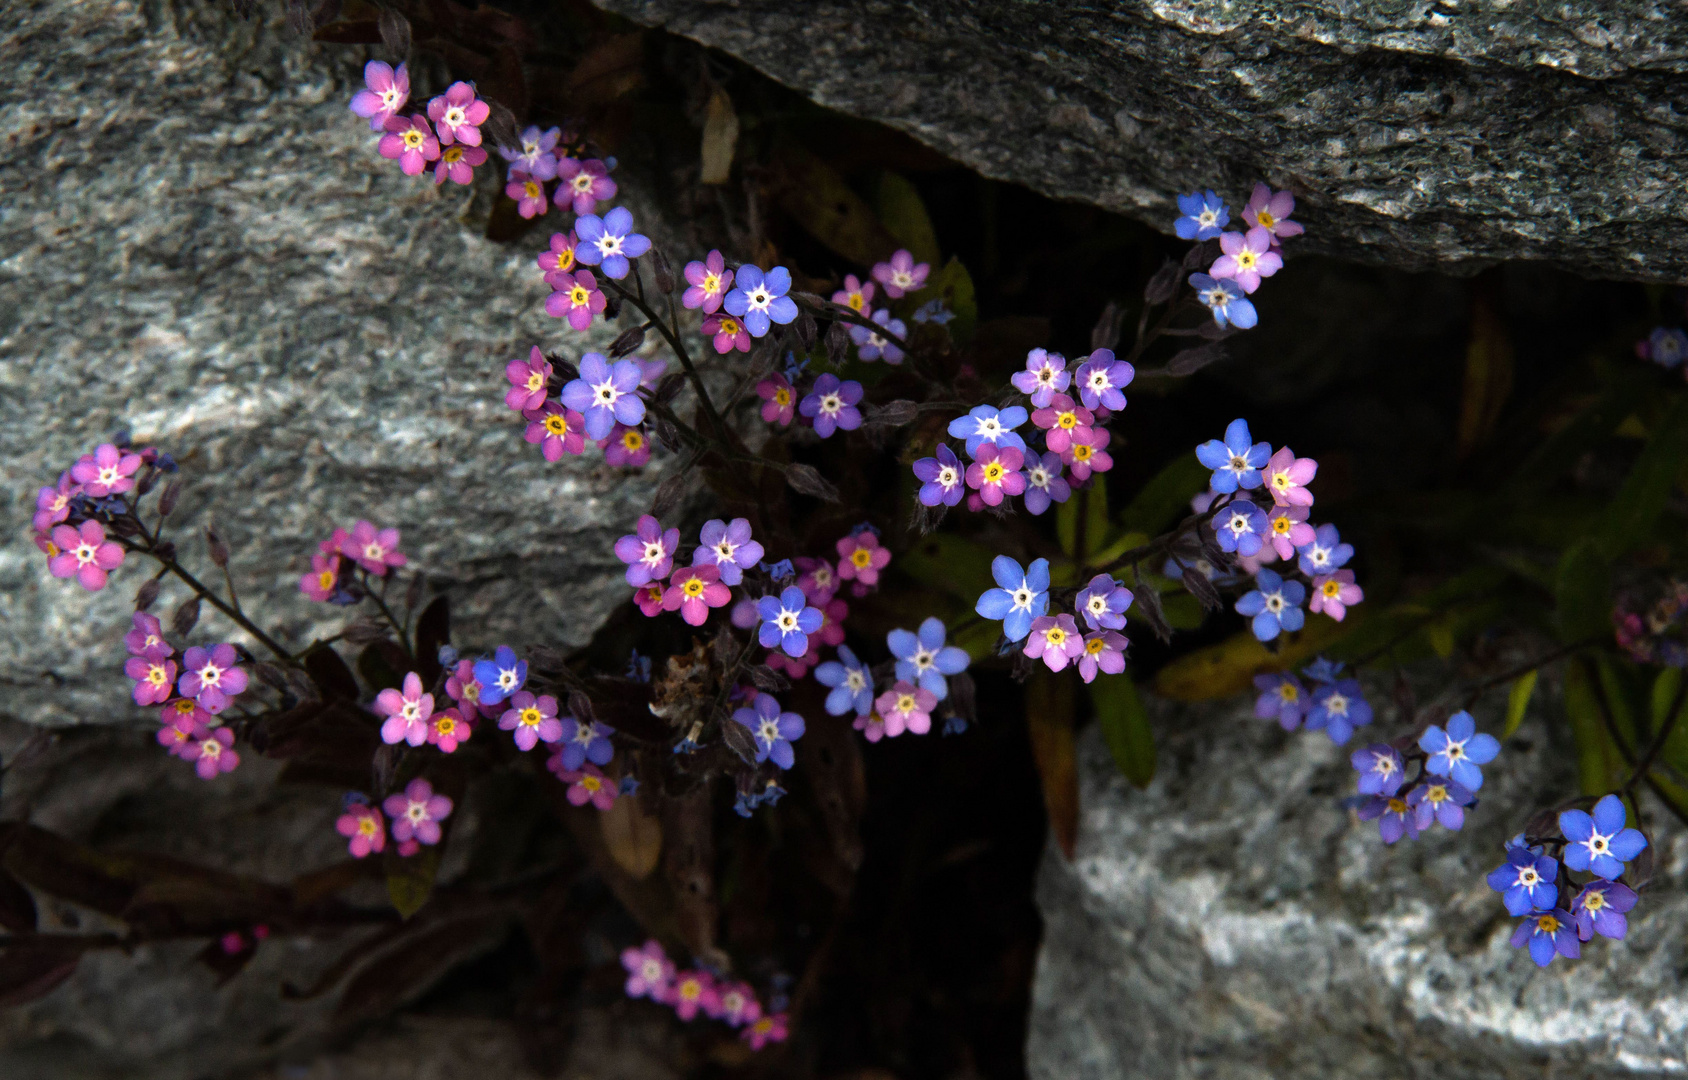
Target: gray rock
x=1234, y=922
x=201, y=245
x=1426, y=134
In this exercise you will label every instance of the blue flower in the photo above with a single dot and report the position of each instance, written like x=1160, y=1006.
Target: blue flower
x=1225, y=299
x=1236, y=462
x=1173, y=570
x=1325, y=553
x=501, y=676
x=1282, y=698
x=610, y=241
x=779, y=571
x=770, y=794
x=773, y=730
x=1380, y=767
x=587, y=742
x=1527, y=880
x=851, y=682
x=1457, y=752
x=1323, y=670
x=933, y=311
x=1548, y=934
x=985, y=424
x=1022, y=596
x=794, y=368
x=1241, y=527
x=1667, y=346
x=447, y=656
x=1274, y=605
x=1600, y=844
x=1338, y=709
x=1205, y=216
x=1102, y=602
x=629, y=785
x=925, y=659
x=638, y=667
x=954, y=725
x=1443, y=801
x=787, y=621
x=759, y=299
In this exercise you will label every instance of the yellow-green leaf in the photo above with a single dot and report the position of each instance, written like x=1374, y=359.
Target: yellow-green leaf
x=633, y=836
x=410, y=884
x=720, y=137
x=1125, y=726
x=1517, y=700
x=1598, y=763
x=1230, y=666
x=905, y=216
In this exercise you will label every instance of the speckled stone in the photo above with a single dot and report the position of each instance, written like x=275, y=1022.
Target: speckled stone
x=1420, y=133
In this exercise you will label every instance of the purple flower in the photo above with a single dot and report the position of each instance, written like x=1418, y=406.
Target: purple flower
x=457, y=163
x=376, y=550
x=1274, y=604
x=585, y=184
x=387, y=92
x=647, y=551
x=1282, y=698
x=1102, y=602
x=1599, y=843
x=1100, y=379
x=1393, y=815
x=924, y=658
x=872, y=345
x=1055, y=639
x=210, y=677
x=417, y=813
x=1104, y=650
x=528, y=193
x=1248, y=258
x=1224, y=298
x=1548, y=934
x=900, y=275
x=773, y=730
x=1667, y=346
x=1270, y=211
x=458, y=114
x=606, y=394
x=410, y=140
x=1599, y=909
x=831, y=404
x=533, y=719
x=535, y=158
x=1339, y=708
x=760, y=299
x=154, y=675
x=1526, y=881
x=575, y=297
x=1458, y=751
x=1325, y=553
x=787, y=621
x=499, y=677
x=649, y=971
x=211, y=752
x=1045, y=376
x=83, y=552
x=1241, y=527
x=1441, y=800
x=1044, y=483
x=1380, y=767
x=1204, y=216
x=608, y=242
x=942, y=478
x=854, y=295
x=987, y=424
x=407, y=712
x=1236, y=462
x=709, y=281
x=1020, y=595
x=52, y=504
x=146, y=638
x=851, y=682
x=729, y=548
x=107, y=471
x=527, y=381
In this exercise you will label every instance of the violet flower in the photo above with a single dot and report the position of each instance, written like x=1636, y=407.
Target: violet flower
x=417, y=813
x=384, y=95
x=606, y=394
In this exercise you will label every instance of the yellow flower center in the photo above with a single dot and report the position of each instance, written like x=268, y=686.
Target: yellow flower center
x=591, y=783
x=861, y=557
x=445, y=725
x=578, y=296
x=693, y=587
x=1594, y=901
x=557, y=424
x=782, y=397
x=156, y=676
x=857, y=302
x=1094, y=646
x=1549, y=924
x=1055, y=636
x=452, y=155
x=905, y=702
x=531, y=190
x=531, y=716
x=184, y=707
x=367, y=826
x=1245, y=260
x=1067, y=420
x=412, y=139
x=729, y=326
x=1282, y=525
x=1288, y=692
x=1397, y=806
x=631, y=439
x=1333, y=589
x=1081, y=451
x=993, y=473
x=1265, y=219
x=565, y=259
x=711, y=283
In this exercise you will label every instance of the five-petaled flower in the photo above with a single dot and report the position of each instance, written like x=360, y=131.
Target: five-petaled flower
x=924, y=658
x=1325, y=553
x=584, y=184
x=1394, y=817
x=85, y=554
x=1044, y=483
x=787, y=621
x=1334, y=594
x=211, y=753
x=1102, y=603
x=1600, y=843
x=1379, y=765
x=411, y=141
x=499, y=677
x=1548, y=934
x=860, y=558
x=1236, y=460
x=874, y=345
x=708, y=282
x=942, y=478
x=364, y=828
x=775, y=1028
x=728, y=547
x=1224, y=298
x=1021, y=595
x=901, y=275
x=1270, y=210
x=448, y=729
x=107, y=471
x=587, y=742
x=536, y=155
x=417, y=813
x=831, y=404
x=1600, y=907
x=760, y=299
x=210, y=676
x=985, y=425
x=1045, y=376
x=1060, y=420
x=906, y=707
x=855, y=295
x=1527, y=881
x=1441, y=800
x=1055, y=639
x=559, y=257
x=384, y=95
x=1204, y=216
x=528, y=192
x=779, y=400
x=693, y=590
x=773, y=729
x=606, y=394
x=1248, y=258
x=1087, y=452
x=1284, y=699
x=1100, y=379
x=528, y=379
x=1457, y=751
x=851, y=683
x=1241, y=527
x=154, y=675
x=1104, y=650
x=587, y=784
x=1286, y=530
x=995, y=473
x=532, y=718
x=1287, y=477
x=648, y=551
x=373, y=549
x=1337, y=709
x=649, y=971
x=407, y=712
x=457, y=164
x=576, y=298
x=609, y=242
x=726, y=333
x=458, y=115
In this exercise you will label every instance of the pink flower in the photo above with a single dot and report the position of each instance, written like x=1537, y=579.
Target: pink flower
x=906, y=707
x=449, y=729
x=1286, y=530
x=184, y=714
x=1086, y=453
x=528, y=193
x=854, y=295
x=860, y=558
x=457, y=163
x=1061, y=420
x=364, y=828
x=833, y=614
x=154, y=675
x=1287, y=477
x=587, y=784
x=649, y=598
x=818, y=581
x=560, y=258
x=407, y=712
x=85, y=553
x=1056, y=639
x=1335, y=593
x=585, y=182
x=649, y=971
x=995, y=473
x=1271, y=212
x=775, y=1028
x=728, y=334
x=692, y=991
x=411, y=141
x=457, y=115
x=779, y=402
x=528, y=381
x=387, y=92
x=374, y=550
x=334, y=543
x=576, y=298
x=709, y=279
x=626, y=447
x=107, y=471
x=737, y=1004
x=52, y=504
x=794, y=666
x=693, y=590
x=1248, y=258
x=417, y=813
x=557, y=430
x=146, y=637
x=211, y=754
x=465, y=689
x=900, y=275
x=210, y=677
x=533, y=719
x=1103, y=650
x=872, y=726
x=323, y=579
x=176, y=736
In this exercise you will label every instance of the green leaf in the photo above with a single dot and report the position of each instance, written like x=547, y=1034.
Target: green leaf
x=1518, y=700
x=1639, y=502
x=1598, y=762
x=905, y=216
x=1092, y=504
x=954, y=286
x=952, y=563
x=1581, y=588
x=1166, y=498
x=1564, y=447
x=1665, y=685
x=410, y=884
x=1125, y=726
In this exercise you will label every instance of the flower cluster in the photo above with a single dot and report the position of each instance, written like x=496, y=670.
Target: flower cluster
x=910, y=692
x=699, y=991
x=74, y=518
x=1449, y=776
x=1327, y=701
x=414, y=814
x=344, y=563
x=1652, y=627
x=1020, y=602
x=1246, y=257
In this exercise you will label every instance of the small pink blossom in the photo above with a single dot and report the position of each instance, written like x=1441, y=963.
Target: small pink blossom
x=210, y=676
x=1055, y=639
x=185, y=714
x=1287, y=477
x=649, y=598
x=769, y=1029
x=364, y=829
x=1104, y=650
x=901, y=275
x=212, y=753
x=557, y=430
x=709, y=280
x=1087, y=453
x=324, y=578
x=52, y=504
x=872, y=726
x=457, y=115
x=576, y=297
x=84, y=553
x=737, y=1004
x=154, y=675
x=817, y=579
x=855, y=295
x=726, y=334
x=177, y=734
x=626, y=447
x=334, y=543
x=584, y=183
x=410, y=141
x=1286, y=530
x=995, y=474
x=1061, y=420
x=906, y=707
x=528, y=381
x=559, y=259
x=692, y=992
x=387, y=91
x=533, y=719
x=649, y=971
x=373, y=550
x=107, y=471
x=779, y=400
x=1334, y=594
x=693, y=590
x=457, y=164
x=465, y=689
x=860, y=558
x=528, y=193
x=1270, y=211
x=1248, y=258
x=448, y=729
x=587, y=784
x=796, y=667
x=407, y=712
x=146, y=636
x=417, y=813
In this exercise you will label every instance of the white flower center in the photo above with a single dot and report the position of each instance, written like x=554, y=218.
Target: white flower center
x=85, y=553
x=831, y=403
x=374, y=551
x=902, y=279
x=582, y=183
x=210, y=748
x=923, y=660
x=1528, y=877
x=990, y=428
x=768, y=731
x=654, y=552
x=855, y=681
x=417, y=812
x=948, y=477
x=1208, y=217
x=605, y=393
x=1038, y=476
x=724, y=551
x=390, y=99
x=1023, y=597
x=787, y=620
x=454, y=116
x=1216, y=297
x=1338, y=704
x=1274, y=602
x=506, y=678
x=110, y=476
x=210, y=674
x=759, y=298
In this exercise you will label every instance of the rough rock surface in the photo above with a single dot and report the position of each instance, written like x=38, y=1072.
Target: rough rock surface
x=201, y=245
x=1425, y=133
x=1234, y=922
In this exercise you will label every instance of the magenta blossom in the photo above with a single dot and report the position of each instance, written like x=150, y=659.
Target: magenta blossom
x=1248, y=258
x=587, y=784
x=831, y=404
x=1287, y=477
x=407, y=712
x=693, y=590
x=626, y=447
x=1270, y=211
x=417, y=813
x=210, y=677
x=373, y=550
x=860, y=558
x=52, y=504
x=709, y=280
x=411, y=141
x=855, y=295
x=211, y=754
x=184, y=714
x=833, y=614
x=906, y=707
x=901, y=275
x=817, y=579
x=779, y=400
x=107, y=471
x=154, y=676
x=1056, y=639
x=457, y=164
x=1087, y=453
x=649, y=598
x=528, y=193
x=995, y=473
x=1286, y=530
x=175, y=736
x=649, y=971
x=457, y=115
x=465, y=689
x=1334, y=594
x=364, y=828
x=559, y=258
x=738, y=1005
x=528, y=379
x=726, y=334
x=775, y=1028
x=557, y=430
x=146, y=637
x=575, y=297
x=448, y=729
x=647, y=551
x=324, y=578
x=693, y=991
x=1104, y=650
x=1060, y=420
x=84, y=553
x=584, y=183
x=387, y=91
x=533, y=719
x=872, y=726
